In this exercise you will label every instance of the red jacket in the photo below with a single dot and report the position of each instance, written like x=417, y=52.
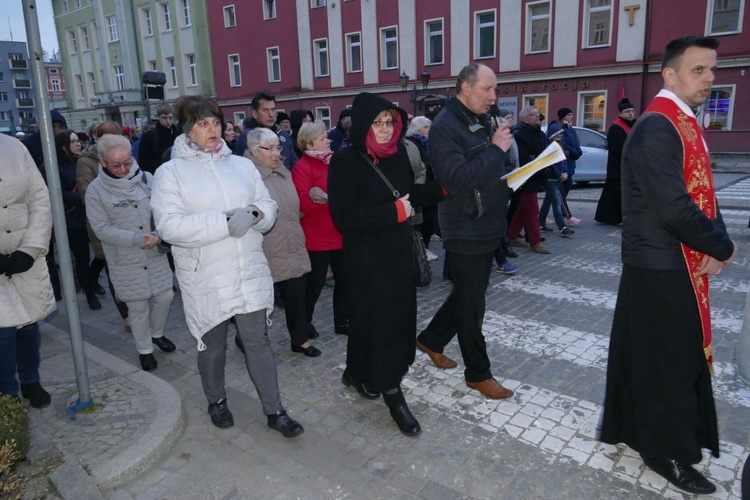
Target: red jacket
x=320, y=232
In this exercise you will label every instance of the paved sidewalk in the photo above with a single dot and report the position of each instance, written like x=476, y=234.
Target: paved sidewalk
x=547, y=331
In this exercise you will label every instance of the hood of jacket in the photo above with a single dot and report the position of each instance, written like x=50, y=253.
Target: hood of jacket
x=365, y=108
x=181, y=149
x=297, y=115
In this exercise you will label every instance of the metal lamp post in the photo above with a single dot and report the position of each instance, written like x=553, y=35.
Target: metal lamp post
x=415, y=92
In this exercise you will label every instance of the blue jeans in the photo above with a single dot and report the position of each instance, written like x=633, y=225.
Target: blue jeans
x=553, y=197
x=19, y=352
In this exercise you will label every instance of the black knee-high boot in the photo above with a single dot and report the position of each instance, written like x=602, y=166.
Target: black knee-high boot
x=400, y=413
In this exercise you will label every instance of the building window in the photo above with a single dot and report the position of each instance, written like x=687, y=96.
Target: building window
x=593, y=107
x=53, y=71
x=323, y=114
x=4, y=116
x=112, y=29
x=65, y=5
x=152, y=65
x=172, y=65
x=354, y=52
x=239, y=117
x=274, y=64
x=73, y=43
x=235, y=76
x=433, y=43
x=119, y=77
x=537, y=27
x=92, y=83
x=317, y=3
x=539, y=101
x=78, y=3
x=321, y=57
x=2, y=76
x=269, y=9
x=484, y=34
x=389, y=48
x=166, y=17
x=230, y=19
x=599, y=23
x=186, y=13
x=192, y=69
x=721, y=106
x=148, y=22
x=4, y=95
x=55, y=81
x=79, y=86
x=725, y=16
x=85, y=38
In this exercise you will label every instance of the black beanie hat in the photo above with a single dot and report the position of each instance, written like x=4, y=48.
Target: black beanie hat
x=624, y=104
x=281, y=116
x=563, y=113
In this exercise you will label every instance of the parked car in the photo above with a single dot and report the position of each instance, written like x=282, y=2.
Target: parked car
x=592, y=165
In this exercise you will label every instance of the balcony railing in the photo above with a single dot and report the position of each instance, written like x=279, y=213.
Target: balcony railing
x=21, y=84
x=19, y=64
x=25, y=103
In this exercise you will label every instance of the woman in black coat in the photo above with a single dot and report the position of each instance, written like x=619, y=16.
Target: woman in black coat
x=378, y=251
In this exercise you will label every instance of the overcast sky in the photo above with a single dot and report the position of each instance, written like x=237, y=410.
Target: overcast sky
x=12, y=20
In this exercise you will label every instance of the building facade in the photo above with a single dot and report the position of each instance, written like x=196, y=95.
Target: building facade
x=55, y=83
x=581, y=54
x=107, y=45
x=17, y=103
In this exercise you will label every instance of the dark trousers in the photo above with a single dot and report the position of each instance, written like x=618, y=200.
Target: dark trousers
x=19, y=353
x=96, y=268
x=293, y=293
x=316, y=279
x=462, y=313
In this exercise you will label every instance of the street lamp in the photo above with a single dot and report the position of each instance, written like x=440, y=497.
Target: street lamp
x=415, y=92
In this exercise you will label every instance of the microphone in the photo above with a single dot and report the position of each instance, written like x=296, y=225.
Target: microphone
x=495, y=116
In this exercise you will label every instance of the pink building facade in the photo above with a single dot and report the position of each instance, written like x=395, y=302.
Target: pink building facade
x=580, y=54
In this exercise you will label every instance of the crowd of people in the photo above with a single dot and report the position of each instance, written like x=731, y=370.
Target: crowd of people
x=242, y=216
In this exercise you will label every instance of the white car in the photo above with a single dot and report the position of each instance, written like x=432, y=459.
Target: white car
x=592, y=165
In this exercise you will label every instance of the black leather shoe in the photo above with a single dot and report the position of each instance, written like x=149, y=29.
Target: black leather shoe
x=148, y=362
x=221, y=417
x=362, y=389
x=164, y=344
x=92, y=300
x=683, y=476
x=509, y=252
x=312, y=332
x=406, y=422
x=35, y=393
x=309, y=351
x=239, y=344
x=284, y=424
x=99, y=290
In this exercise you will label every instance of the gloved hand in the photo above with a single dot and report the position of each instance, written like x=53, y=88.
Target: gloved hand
x=240, y=220
x=19, y=262
x=3, y=262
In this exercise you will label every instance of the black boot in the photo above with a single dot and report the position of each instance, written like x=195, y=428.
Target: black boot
x=400, y=413
x=92, y=300
x=35, y=393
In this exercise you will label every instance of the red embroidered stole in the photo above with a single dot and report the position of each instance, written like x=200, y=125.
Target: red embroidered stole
x=619, y=121
x=700, y=187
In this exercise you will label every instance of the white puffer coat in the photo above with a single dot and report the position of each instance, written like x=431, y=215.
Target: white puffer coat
x=26, y=225
x=119, y=212
x=219, y=275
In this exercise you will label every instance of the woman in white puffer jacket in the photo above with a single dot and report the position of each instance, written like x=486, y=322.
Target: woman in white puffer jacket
x=213, y=208
x=119, y=212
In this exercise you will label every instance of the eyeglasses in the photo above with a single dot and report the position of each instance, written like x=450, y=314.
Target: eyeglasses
x=75, y=142
x=125, y=164
x=383, y=123
x=272, y=149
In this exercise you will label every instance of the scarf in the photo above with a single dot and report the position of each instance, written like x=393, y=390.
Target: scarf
x=196, y=147
x=324, y=156
x=130, y=187
x=422, y=140
x=378, y=151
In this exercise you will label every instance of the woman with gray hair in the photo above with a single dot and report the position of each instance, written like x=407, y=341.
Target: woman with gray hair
x=119, y=211
x=213, y=208
x=284, y=245
x=418, y=132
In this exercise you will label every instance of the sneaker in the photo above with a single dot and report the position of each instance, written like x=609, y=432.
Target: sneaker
x=574, y=221
x=545, y=229
x=518, y=243
x=283, y=423
x=566, y=232
x=431, y=256
x=221, y=417
x=540, y=248
x=507, y=267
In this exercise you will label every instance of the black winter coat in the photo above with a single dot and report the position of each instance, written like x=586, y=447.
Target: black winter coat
x=153, y=145
x=377, y=251
x=531, y=142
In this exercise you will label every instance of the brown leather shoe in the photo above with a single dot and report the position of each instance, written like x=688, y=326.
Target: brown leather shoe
x=490, y=388
x=439, y=359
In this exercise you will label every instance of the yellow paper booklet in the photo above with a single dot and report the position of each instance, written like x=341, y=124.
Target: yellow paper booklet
x=551, y=155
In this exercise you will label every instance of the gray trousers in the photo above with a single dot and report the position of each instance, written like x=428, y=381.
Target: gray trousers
x=148, y=320
x=261, y=366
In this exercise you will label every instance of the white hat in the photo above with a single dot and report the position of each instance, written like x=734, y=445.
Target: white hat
x=20, y=135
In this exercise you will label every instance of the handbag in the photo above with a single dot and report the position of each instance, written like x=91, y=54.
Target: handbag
x=420, y=264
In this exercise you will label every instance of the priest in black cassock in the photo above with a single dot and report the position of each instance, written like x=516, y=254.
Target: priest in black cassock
x=658, y=398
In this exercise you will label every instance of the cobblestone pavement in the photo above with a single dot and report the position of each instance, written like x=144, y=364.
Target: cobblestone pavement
x=547, y=330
